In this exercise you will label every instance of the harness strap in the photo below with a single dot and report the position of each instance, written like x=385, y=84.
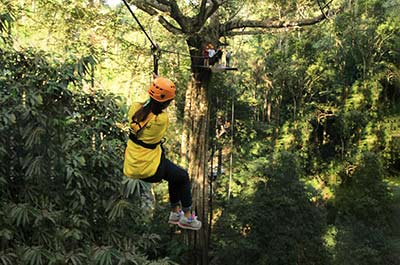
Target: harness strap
x=138, y=126
x=141, y=143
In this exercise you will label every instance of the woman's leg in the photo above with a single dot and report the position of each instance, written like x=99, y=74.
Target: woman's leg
x=179, y=186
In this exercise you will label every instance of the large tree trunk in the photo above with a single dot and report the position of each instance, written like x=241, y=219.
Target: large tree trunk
x=195, y=134
x=198, y=147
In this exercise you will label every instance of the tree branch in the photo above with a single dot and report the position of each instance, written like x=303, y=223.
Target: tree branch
x=175, y=11
x=153, y=8
x=213, y=8
x=164, y=2
x=258, y=32
x=171, y=8
x=159, y=5
x=204, y=13
x=268, y=24
x=274, y=23
x=168, y=26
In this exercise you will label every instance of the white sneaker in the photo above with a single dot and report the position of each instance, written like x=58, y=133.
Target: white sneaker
x=174, y=217
x=189, y=223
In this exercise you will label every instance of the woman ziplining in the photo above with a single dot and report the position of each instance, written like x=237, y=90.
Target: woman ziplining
x=145, y=158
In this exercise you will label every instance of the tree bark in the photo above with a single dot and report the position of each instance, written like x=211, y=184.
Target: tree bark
x=197, y=149
x=186, y=126
x=195, y=128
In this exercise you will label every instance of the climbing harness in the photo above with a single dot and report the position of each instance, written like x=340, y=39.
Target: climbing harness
x=136, y=128
x=155, y=49
x=134, y=139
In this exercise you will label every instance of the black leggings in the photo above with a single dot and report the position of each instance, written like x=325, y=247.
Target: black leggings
x=179, y=186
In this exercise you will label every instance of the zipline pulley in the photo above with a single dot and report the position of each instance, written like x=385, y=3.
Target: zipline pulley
x=156, y=52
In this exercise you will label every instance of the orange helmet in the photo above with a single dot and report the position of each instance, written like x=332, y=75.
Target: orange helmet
x=162, y=89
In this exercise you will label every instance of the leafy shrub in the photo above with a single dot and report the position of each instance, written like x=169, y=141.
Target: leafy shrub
x=62, y=198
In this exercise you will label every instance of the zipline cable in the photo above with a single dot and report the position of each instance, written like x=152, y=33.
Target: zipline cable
x=140, y=25
x=155, y=49
x=326, y=5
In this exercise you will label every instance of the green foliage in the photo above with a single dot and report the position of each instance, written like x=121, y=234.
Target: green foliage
x=362, y=203
x=63, y=200
x=329, y=95
x=7, y=18
x=363, y=193
x=263, y=230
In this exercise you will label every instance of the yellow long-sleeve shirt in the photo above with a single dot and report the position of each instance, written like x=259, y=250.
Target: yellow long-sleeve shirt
x=141, y=162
